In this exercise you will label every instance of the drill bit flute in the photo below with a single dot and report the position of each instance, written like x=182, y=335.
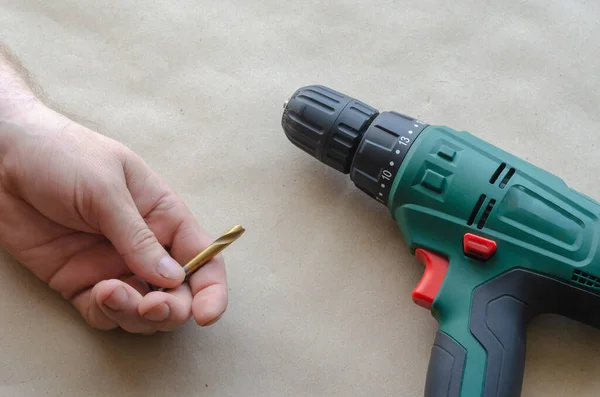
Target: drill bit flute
x=208, y=253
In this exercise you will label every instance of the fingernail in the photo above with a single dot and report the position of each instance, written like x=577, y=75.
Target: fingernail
x=169, y=268
x=158, y=313
x=213, y=322
x=118, y=299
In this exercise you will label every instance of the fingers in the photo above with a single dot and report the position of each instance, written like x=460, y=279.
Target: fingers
x=123, y=225
x=167, y=311
x=210, y=304
x=209, y=284
x=209, y=289
x=116, y=303
x=175, y=226
x=86, y=267
x=91, y=312
x=119, y=302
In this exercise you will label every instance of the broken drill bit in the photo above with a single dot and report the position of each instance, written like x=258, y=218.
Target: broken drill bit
x=208, y=253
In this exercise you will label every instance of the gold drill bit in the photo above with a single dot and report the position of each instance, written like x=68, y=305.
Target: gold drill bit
x=209, y=252
x=213, y=250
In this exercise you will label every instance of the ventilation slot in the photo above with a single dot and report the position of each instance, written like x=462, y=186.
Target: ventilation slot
x=496, y=175
x=476, y=209
x=506, y=179
x=586, y=280
x=486, y=214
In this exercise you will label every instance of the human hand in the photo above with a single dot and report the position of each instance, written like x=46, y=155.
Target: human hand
x=87, y=216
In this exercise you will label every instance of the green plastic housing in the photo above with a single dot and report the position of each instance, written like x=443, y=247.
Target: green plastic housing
x=452, y=183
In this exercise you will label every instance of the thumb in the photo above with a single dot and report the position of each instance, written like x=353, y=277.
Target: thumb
x=122, y=224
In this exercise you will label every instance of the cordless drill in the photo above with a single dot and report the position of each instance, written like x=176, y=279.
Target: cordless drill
x=501, y=240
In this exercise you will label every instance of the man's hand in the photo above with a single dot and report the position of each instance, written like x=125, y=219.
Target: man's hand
x=86, y=215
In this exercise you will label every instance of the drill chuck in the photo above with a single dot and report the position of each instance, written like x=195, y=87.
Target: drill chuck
x=350, y=136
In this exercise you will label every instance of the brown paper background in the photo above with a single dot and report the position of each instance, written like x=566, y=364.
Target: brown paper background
x=321, y=282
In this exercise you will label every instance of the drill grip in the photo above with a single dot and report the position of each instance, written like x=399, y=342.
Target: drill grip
x=497, y=322
x=502, y=331
x=446, y=367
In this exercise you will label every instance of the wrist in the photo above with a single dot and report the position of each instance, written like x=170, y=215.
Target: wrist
x=31, y=115
x=31, y=118
x=15, y=90
x=26, y=118
x=20, y=103
x=20, y=134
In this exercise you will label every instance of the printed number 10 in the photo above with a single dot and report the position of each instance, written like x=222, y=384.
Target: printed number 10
x=387, y=175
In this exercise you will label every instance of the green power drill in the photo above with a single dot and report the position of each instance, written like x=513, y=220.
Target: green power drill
x=501, y=240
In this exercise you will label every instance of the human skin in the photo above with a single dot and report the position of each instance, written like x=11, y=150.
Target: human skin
x=86, y=215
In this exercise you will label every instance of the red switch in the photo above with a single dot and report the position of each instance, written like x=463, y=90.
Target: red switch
x=431, y=282
x=479, y=247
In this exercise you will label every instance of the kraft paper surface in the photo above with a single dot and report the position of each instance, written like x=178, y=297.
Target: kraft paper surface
x=320, y=284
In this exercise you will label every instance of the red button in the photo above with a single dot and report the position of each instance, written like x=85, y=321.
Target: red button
x=479, y=247
x=431, y=282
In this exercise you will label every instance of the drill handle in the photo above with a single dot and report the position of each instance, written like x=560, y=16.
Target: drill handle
x=502, y=332
x=446, y=368
x=480, y=351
